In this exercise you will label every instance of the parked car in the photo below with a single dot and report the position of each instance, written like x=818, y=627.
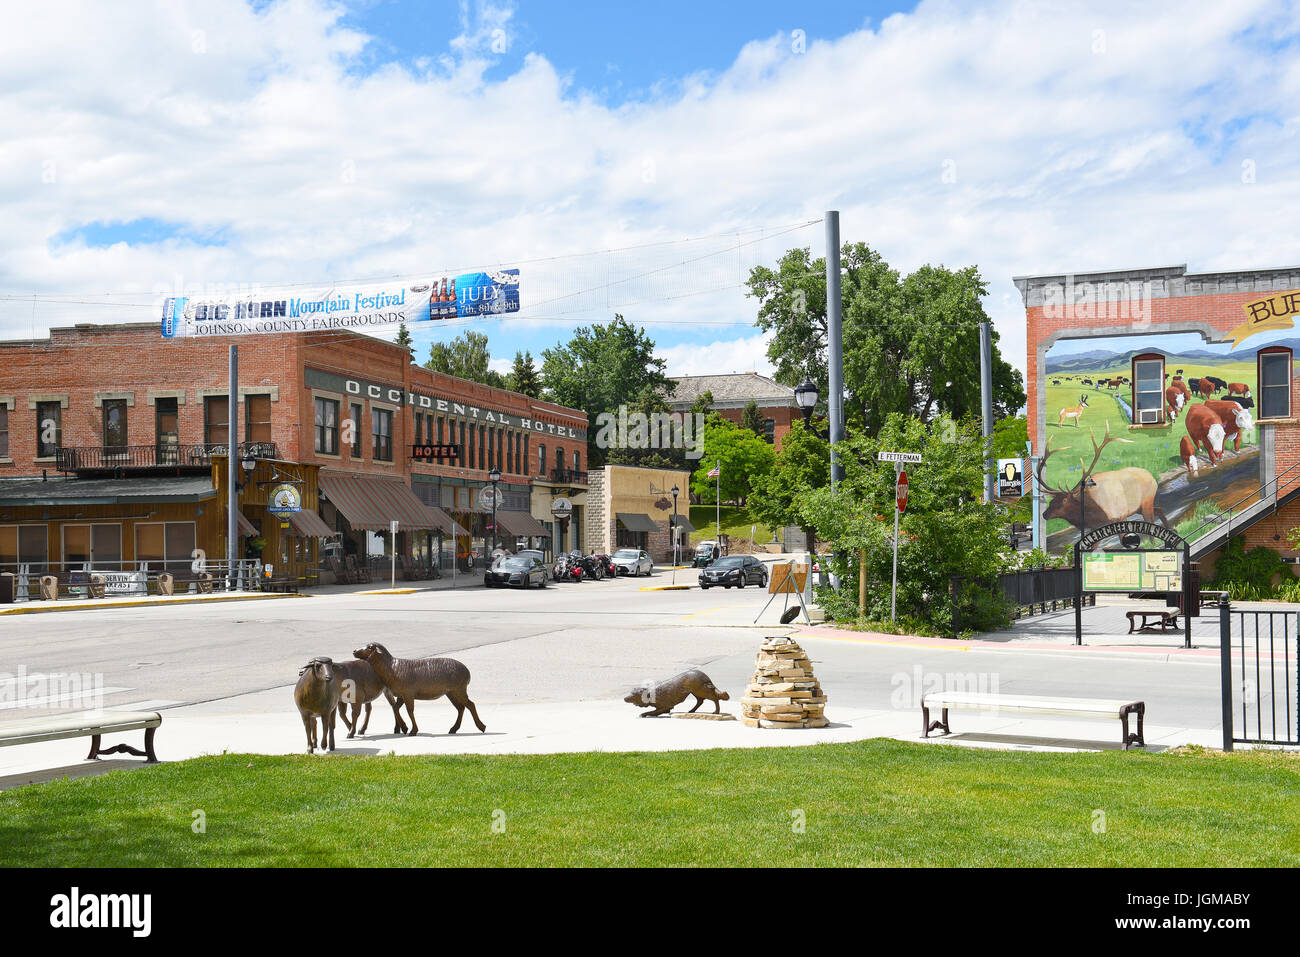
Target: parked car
x=706, y=553
x=534, y=553
x=516, y=572
x=737, y=570
x=632, y=561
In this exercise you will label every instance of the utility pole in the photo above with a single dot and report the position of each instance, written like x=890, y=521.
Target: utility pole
x=232, y=452
x=835, y=342
x=986, y=395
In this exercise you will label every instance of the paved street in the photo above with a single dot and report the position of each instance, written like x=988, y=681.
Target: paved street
x=550, y=669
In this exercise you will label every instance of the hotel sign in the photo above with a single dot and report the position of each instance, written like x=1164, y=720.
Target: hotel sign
x=427, y=452
x=425, y=402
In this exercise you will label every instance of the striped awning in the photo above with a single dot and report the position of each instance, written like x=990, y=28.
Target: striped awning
x=521, y=524
x=245, y=526
x=370, y=502
x=307, y=524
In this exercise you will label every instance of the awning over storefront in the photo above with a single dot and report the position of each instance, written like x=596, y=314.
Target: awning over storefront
x=371, y=502
x=637, y=522
x=307, y=524
x=521, y=524
x=684, y=522
x=449, y=525
x=245, y=526
x=116, y=491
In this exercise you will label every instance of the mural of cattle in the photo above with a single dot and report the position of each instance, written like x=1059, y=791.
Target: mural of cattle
x=1206, y=432
x=1174, y=400
x=1234, y=417
x=1239, y=388
x=1187, y=452
x=1206, y=387
x=1114, y=497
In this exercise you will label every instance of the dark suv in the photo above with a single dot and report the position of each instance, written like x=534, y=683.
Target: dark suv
x=737, y=570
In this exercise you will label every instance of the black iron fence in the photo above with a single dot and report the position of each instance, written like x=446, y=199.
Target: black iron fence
x=1259, y=661
x=1027, y=591
x=117, y=457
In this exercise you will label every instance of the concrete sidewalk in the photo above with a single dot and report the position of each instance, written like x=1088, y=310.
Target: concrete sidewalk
x=266, y=722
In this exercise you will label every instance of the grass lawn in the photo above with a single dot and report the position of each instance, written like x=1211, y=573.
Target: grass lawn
x=736, y=523
x=879, y=802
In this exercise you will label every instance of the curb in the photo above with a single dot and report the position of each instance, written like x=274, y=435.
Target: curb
x=665, y=587
x=143, y=603
x=392, y=591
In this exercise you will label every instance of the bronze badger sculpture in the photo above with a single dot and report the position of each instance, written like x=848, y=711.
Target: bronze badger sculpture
x=663, y=696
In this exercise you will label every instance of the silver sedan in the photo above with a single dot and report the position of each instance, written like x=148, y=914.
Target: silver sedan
x=633, y=561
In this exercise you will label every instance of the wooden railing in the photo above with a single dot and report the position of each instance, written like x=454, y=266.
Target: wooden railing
x=122, y=457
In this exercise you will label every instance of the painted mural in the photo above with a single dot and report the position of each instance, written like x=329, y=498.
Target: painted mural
x=1184, y=473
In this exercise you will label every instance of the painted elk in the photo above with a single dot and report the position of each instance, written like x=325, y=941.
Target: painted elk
x=1074, y=412
x=1114, y=497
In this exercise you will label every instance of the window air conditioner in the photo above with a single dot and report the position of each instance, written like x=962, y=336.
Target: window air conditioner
x=1149, y=417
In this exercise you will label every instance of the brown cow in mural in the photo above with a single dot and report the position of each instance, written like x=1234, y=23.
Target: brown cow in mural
x=1239, y=388
x=1234, y=417
x=1206, y=387
x=1174, y=400
x=1187, y=452
x=1206, y=431
x=1115, y=497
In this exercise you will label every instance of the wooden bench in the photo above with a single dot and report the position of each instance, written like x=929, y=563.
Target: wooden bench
x=1165, y=620
x=285, y=585
x=91, y=724
x=1071, y=707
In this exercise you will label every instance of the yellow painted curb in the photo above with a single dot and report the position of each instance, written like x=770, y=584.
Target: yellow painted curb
x=880, y=641
x=664, y=587
x=142, y=603
x=388, y=591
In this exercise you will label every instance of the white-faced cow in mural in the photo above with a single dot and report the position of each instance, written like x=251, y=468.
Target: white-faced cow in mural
x=1116, y=497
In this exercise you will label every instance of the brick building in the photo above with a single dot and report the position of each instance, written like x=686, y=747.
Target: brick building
x=632, y=507
x=777, y=407
x=113, y=442
x=1142, y=351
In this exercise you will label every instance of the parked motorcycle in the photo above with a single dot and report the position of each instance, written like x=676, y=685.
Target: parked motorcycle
x=567, y=569
x=592, y=566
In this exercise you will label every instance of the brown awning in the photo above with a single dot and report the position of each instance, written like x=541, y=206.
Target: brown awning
x=521, y=524
x=448, y=526
x=307, y=524
x=245, y=526
x=637, y=522
x=371, y=502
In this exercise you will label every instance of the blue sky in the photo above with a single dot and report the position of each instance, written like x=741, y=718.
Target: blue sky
x=213, y=147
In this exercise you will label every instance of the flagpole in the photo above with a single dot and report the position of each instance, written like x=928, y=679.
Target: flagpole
x=717, y=502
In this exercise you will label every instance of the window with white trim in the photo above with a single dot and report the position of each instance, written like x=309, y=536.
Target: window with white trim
x=1274, y=382
x=1149, y=389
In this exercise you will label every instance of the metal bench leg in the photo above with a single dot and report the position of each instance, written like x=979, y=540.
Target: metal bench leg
x=927, y=725
x=94, y=748
x=151, y=758
x=1138, y=709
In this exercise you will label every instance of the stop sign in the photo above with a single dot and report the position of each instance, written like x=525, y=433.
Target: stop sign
x=901, y=491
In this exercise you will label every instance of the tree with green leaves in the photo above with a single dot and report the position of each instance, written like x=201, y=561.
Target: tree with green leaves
x=650, y=402
x=802, y=465
x=703, y=403
x=524, y=378
x=947, y=531
x=600, y=368
x=911, y=344
x=467, y=357
x=752, y=419
x=404, y=336
x=743, y=458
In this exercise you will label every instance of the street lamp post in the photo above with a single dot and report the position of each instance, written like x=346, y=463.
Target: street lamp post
x=494, y=476
x=1084, y=484
x=805, y=395
x=672, y=530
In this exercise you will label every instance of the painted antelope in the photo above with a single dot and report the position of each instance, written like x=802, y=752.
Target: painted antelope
x=1075, y=413
x=1114, y=497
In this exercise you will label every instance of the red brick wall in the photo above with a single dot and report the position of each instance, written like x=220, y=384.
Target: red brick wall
x=782, y=416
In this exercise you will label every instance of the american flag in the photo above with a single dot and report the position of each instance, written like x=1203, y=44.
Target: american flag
x=715, y=471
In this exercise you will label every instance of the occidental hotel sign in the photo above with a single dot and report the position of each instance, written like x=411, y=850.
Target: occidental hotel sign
x=316, y=379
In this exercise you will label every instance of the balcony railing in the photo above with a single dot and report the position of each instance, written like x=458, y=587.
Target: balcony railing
x=114, y=457
x=567, y=477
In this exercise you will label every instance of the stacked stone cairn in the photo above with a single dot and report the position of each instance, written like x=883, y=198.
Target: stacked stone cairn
x=784, y=692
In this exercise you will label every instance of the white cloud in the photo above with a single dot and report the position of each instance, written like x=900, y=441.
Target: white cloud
x=743, y=354
x=1076, y=136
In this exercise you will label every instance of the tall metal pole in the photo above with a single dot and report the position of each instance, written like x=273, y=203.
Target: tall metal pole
x=986, y=397
x=893, y=589
x=717, y=496
x=232, y=447
x=835, y=341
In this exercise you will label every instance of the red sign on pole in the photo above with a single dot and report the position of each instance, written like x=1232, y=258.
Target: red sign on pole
x=901, y=491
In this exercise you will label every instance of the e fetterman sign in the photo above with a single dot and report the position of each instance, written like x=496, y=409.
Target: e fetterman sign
x=1150, y=529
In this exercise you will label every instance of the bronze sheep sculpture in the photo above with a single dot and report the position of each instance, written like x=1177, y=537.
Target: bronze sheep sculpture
x=358, y=686
x=423, y=679
x=317, y=694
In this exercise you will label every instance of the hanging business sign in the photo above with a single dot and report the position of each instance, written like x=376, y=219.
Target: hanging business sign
x=284, y=500
x=1011, y=478
x=561, y=508
x=309, y=310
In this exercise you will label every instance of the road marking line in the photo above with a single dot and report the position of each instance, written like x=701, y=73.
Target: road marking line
x=707, y=610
